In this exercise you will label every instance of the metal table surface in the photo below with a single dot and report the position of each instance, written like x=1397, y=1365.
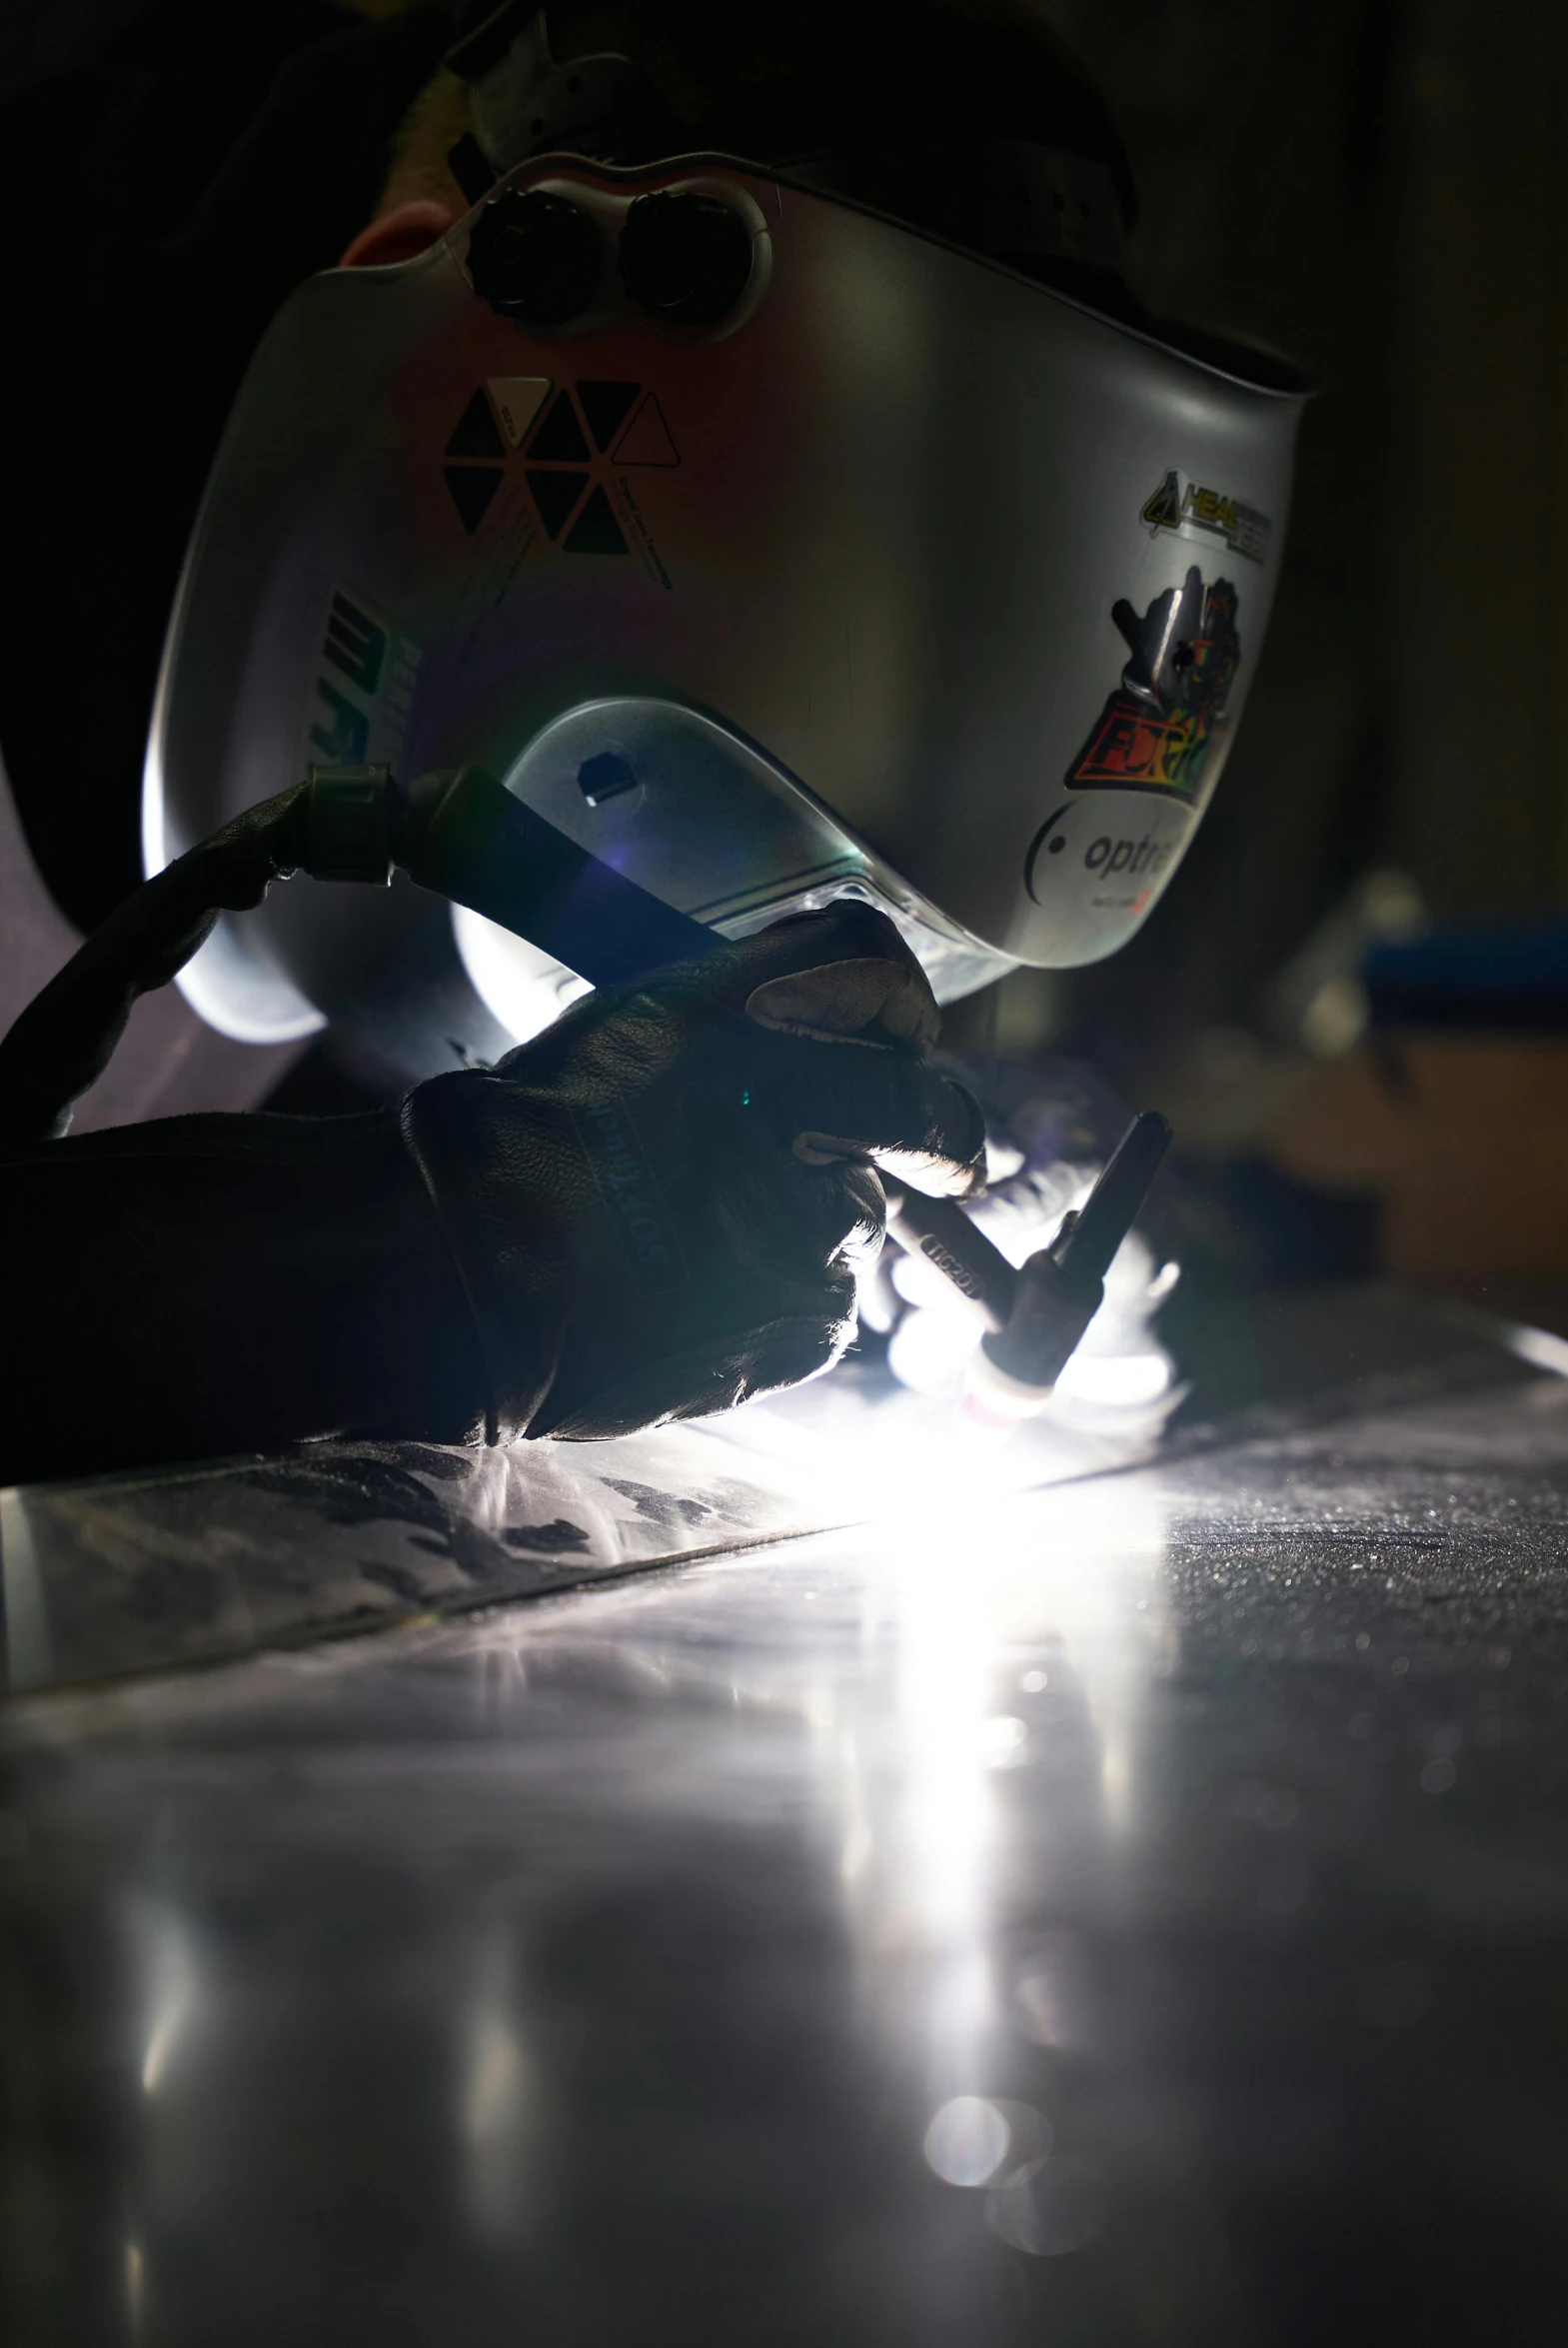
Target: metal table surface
x=1130, y=1911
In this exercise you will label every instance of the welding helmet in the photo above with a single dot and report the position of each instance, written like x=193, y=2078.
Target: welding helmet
x=777, y=531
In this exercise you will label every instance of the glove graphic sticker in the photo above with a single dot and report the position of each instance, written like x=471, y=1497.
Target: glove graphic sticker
x=1157, y=729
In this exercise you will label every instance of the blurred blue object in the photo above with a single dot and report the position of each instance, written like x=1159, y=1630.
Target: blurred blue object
x=1495, y=975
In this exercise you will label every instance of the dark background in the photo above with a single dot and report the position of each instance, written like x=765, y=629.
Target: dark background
x=1378, y=188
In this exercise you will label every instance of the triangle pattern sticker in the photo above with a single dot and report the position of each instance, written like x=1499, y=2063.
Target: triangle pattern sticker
x=476, y=435
x=605, y=406
x=518, y=399
x=595, y=532
x=472, y=488
x=555, y=494
x=646, y=439
x=559, y=440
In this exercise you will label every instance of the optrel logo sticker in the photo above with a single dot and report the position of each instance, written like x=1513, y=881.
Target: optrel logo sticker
x=1156, y=730
x=1131, y=864
x=1190, y=509
x=577, y=446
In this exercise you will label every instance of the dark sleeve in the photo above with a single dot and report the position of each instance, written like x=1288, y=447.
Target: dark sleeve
x=211, y=1284
x=171, y=171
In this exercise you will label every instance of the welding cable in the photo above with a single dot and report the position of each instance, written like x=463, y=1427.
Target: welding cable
x=457, y=832
x=67, y=1035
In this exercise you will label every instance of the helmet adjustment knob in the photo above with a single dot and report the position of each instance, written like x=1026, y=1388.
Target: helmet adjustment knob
x=534, y=257
x=684, y=257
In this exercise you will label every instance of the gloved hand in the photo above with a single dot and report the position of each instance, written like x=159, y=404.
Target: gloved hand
x=659, y=1206
x=653, y=1210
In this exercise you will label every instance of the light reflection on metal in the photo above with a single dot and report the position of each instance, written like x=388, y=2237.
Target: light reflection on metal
x=29, y=1659
x=1541, y=1348
x=967, y=2141
x=1121, y=1381
x=494, y=2110
x=171, y=1990
x=1104, y=1541
x=135, y=2289
x=945, y=1655
x=1048, y=2206
x=856, y=1827
x=965, y=1592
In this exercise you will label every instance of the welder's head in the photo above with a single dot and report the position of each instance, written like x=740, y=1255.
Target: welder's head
x=737, y=431
x=860, y=84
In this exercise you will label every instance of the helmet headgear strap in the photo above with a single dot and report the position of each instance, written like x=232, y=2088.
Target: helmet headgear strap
x=523, y=103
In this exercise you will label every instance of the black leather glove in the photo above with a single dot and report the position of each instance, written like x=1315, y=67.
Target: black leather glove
x=658, y=1207
x=652, y=1212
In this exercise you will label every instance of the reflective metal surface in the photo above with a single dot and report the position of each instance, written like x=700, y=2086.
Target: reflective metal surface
x=189, y=1565
x=195, y=1564
x=1132, y=1911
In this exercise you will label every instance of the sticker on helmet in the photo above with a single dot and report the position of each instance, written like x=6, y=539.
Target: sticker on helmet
x=1188, y=508
x=364, y=692
x=576, y=448
x=518, y=399
x=1156, y=730
x=646, y=439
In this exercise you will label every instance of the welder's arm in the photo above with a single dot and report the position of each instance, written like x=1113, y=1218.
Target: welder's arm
x=219, y=1283
x=653, y=1210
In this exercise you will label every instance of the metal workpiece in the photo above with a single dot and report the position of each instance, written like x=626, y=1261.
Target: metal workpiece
x=1126, y=1910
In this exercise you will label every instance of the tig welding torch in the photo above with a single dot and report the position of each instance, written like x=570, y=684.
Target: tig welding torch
x=1034, y=1317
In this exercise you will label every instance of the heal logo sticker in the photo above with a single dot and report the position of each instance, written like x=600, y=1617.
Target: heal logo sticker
x=1156, y=730
x=577, y=446
x=1189, y=510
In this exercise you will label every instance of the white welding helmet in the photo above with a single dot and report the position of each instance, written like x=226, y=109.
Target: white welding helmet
x=768, y=545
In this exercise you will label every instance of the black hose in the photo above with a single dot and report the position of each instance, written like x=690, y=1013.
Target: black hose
x=66, y=1038
x=457, y=832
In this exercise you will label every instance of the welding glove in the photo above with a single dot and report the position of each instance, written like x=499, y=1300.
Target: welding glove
x=658, y=1207
x=655, y=1210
